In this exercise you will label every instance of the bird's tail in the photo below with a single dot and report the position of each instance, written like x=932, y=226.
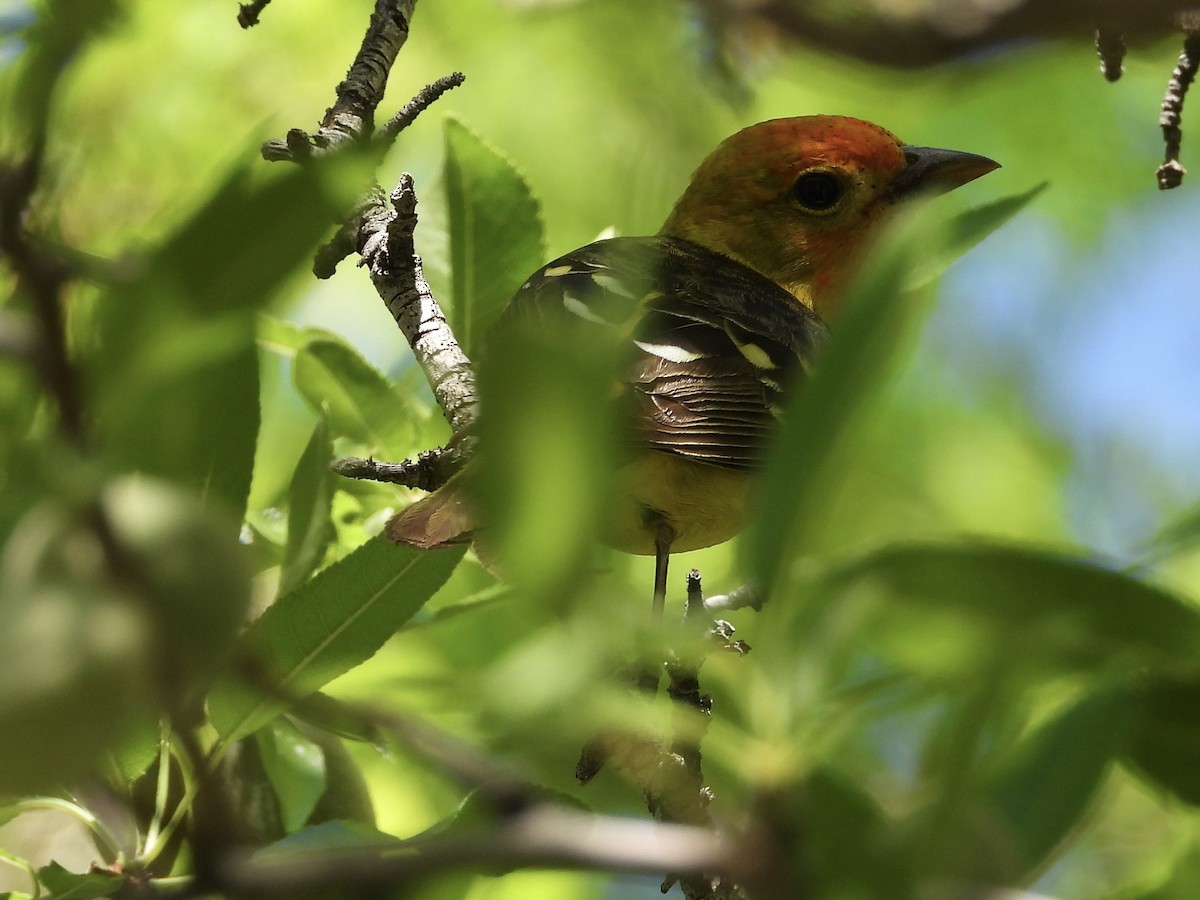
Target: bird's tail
x=442, y=519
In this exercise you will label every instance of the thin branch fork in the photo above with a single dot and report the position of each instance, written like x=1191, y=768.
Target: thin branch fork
x=352, y=116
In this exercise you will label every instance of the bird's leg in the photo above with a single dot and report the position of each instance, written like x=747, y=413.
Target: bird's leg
x=663, y=538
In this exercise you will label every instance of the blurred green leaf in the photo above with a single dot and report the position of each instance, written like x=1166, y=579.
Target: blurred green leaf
x=845, y=836
x=359, y=401
x=1041, y=792
x=295, y=766
x=545, y=470
x=328, y=837
x=189, y=560
x=334, y=716
x=64, y=885
x=70, y=643
x=176, y=369
x=346, y=796
x=323, y=629
x=1182, y=882
x=310, y=502
x=285, y=338
x=242, y=802
x=8, y=810
x=495, y=232
x=943, y=609
x=970, y=228
x=877, y=323
x=1164, y=743
x=1178, y=536
x=476, y=602
x=54, y=37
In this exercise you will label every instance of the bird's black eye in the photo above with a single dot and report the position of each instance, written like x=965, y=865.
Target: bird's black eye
x=817, y=191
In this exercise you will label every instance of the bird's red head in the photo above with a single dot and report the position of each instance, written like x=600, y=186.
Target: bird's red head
x=798, y=199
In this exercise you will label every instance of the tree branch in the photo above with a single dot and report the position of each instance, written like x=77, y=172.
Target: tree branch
x=386, y=245
x=345, y=241
x=544, y=836
x=946, y=32
x=43, y=280
x=428, y=471
x=352, y=116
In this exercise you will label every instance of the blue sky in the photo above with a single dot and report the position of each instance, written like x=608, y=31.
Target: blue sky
x=1103, y=343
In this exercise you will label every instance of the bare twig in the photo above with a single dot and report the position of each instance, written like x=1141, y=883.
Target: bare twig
x=747, y=596
x=1110, y=47
x=418, y=104
x=1170, y=173
x=248, y=12
x=683, y=687
x=371, y=216
x=345, y=242
x=428, y=471
x=351, y=119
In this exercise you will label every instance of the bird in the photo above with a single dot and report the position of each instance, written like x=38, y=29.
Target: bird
x=721, y=315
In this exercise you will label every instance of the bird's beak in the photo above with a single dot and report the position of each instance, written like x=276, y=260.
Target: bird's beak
x=933, y=171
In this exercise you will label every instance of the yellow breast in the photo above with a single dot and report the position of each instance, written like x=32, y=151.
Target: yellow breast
x=702, y=504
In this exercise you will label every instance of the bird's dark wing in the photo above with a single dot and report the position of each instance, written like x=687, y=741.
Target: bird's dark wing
x=711, y=346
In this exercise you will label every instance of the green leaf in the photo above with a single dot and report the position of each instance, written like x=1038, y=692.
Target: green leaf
x=330, y=837
x=66, y=885
x=1164, y=743
x=969, y=229
x=295, y=766
x=324, y=628
x=845, y=839
x=9, y=809
x=346, y=796
x=875, y=326
x=360, y=402
x=16, y=862
x=284, y=338
x=332, y=715
x=871, y=331
x=495, y=232
x=947, y=609
x=194, y=569
x=51, y=41
x=1177, y=537
x=138, y=751
x=545, y=473
x=310, y=502
x=175, y=374
x=69, y=644
x=1182, y=882
x=1043, y=790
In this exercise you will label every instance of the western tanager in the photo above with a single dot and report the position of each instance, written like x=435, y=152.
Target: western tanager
x=724, y=309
